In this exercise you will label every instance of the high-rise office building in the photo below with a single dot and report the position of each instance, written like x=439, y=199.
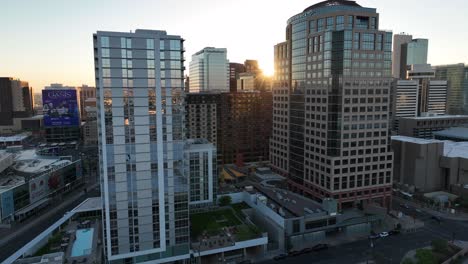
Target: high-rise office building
x=432, y=93
x=139, y=80
x=421, y=94
x=416, y=51
x=238, y=123
x=234, y=70
x=457, y=96
x=209, y=71
x=339, y=82
x=16, y=100
x=398, y=41
x=408, y=51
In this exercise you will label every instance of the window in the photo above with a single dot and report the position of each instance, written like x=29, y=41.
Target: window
x=329, y=23
x=312, y=26
x=150, y=44
x=104, y=42
x=174, y=44
x=320, y=24
x=339, y=22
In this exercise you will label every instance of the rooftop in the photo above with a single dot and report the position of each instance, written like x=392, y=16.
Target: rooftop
x=454, y=132
x=294, y=205
x=15, y=138
x=436, y=117
x=451, y=149
x=10, y=181
x=456, y=149
x=332, y=3
x=29, y=162
x=415, y=140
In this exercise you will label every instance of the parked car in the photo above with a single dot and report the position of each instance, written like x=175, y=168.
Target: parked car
x=383, y=234
x=438, y=219
x=394, y=232
x=320, y=247
x=280, y=257
x=374, y=236
x=405, y=206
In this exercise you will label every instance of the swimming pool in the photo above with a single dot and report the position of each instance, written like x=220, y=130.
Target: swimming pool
x=83, y=243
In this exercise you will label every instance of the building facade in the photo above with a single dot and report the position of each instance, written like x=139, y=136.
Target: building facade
x=209, y=71
x=16, y=101
x=234, y=70
x=85, y=93
x=339, y=84
x=200, y=158
x=457, y=77
x=430, y=165
x=424, y=127
x=139, y=80
x=398, y=41
x=61, y=110
x=239, y=124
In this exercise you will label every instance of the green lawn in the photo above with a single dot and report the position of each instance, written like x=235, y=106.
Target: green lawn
x=246, y=232
x=212, y=222
x=238, y=207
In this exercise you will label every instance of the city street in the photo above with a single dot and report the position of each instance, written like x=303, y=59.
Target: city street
x=389, y=249
x=11, y=241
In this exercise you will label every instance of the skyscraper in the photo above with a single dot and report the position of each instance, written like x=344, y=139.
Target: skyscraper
x=408, y=51
x=416, y=51
x=398, y=41
x=457, y=77
x=421, y=94
x=338, y=115
x=139, y=80
x=209, y=71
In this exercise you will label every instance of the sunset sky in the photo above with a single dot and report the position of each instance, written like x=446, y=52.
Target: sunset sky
x=50, y=41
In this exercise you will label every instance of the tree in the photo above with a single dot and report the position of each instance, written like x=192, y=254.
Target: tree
x=407, y=261
x=225, y=200
x=425, y=256
x=440, y=245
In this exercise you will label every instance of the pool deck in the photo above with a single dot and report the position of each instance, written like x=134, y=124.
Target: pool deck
x=94, y=257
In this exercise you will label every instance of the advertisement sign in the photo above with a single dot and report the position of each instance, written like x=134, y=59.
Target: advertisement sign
x=60, y=108
x=38, y=188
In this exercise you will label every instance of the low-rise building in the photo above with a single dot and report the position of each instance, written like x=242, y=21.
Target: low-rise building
x=428, y=165
x=33, y=179
x=424, y=127
x=456, y=134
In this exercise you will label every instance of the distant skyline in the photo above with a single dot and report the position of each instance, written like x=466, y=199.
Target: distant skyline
x=50, y=41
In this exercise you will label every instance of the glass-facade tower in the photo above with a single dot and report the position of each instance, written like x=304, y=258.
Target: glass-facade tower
x=139, y=80
x=339, y=84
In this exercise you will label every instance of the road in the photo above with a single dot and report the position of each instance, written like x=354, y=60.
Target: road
x=390, y=249
x=40, y=224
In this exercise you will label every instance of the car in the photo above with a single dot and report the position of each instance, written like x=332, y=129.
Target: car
x=374, y=236
x=294, y=253
x=394, y=232
x=383, y=234
x=438, y=219
x=418, y=210
x=405, y=206
x=280, y=257
x=248, y=261
x=320, y=247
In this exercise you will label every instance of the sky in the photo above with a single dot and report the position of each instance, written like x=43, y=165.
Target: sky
x=50, y=41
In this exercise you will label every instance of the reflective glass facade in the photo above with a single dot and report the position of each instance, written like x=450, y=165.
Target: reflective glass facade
x=139, y=80
x=339, y=103
x=457, y=77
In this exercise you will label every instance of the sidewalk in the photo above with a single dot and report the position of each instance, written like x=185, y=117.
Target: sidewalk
x=458, y=216
x=20, y=228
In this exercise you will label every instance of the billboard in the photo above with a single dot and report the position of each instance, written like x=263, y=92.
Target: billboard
x=60, y=108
